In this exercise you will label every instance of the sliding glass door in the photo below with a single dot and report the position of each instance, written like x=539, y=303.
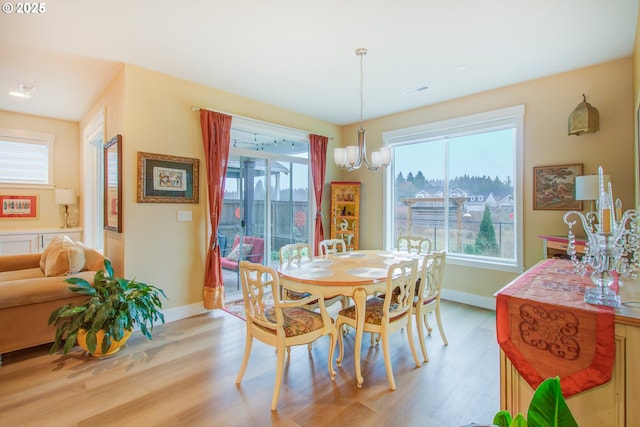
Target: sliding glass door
x=267, y=203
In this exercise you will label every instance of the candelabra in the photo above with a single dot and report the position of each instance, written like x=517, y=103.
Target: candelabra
x=612, y=249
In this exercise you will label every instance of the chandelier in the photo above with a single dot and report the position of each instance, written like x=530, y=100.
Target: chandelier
x=354, y=156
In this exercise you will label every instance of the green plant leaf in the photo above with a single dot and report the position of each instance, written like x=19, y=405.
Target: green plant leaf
x=548, y=407
x=519, y=421
x=502, y=419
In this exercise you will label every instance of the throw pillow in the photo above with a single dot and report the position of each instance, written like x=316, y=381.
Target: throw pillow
x=94, y=260
x=234, y=255
x=55, y=243
x=63, y=260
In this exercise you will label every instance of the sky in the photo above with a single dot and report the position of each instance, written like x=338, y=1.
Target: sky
x=489, y=154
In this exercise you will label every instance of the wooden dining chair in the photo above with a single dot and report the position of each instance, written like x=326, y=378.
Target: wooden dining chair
x=331, y=246
x=277, y=322
x=415, y=244
x=428, y=297
x=388, y=315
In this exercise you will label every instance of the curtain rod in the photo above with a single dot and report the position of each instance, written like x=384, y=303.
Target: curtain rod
x=196, y=108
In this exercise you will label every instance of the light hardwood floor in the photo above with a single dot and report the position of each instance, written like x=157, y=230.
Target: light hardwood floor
x=186, y=375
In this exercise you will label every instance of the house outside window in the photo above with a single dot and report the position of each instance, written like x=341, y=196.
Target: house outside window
x=459, y=183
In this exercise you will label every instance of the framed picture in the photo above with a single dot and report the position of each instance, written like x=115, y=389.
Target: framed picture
x=167, y=179
x=18, y=206
x=113, y=184
x=554, y=187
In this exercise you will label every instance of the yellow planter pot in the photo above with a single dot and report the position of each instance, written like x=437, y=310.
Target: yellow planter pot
x=113, y=349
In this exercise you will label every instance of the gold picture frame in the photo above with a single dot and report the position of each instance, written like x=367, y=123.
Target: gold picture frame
x=167, y=179
x=554, y=187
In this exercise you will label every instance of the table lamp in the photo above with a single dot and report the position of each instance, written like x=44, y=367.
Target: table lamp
x=65, y=197
x=587, y=187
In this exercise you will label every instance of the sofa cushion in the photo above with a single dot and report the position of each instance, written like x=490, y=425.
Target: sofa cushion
x=28, y=291
x=27, y=273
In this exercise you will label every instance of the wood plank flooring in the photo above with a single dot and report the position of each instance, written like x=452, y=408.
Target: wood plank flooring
x=186, y=375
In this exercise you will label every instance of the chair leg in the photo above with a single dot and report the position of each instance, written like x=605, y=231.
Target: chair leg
x=339, y=326
x=333, y=336
x=423, y=347
x=440, y=328
x=245, y=360
x=411, y=344
x=278, y=383
x=387, y=361
x=426, y=323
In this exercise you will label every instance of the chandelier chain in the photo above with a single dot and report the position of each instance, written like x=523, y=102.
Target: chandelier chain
x=362, y=54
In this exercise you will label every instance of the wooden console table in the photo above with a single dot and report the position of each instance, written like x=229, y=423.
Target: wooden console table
x=556, y=246
x=615, y=403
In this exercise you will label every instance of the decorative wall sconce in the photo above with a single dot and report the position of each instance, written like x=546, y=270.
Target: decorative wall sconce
x=584, y=119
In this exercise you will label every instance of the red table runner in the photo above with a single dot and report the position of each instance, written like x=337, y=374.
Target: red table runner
x=546, y=329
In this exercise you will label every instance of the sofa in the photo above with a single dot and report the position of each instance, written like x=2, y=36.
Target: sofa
x=33, y=285
x=252, y=250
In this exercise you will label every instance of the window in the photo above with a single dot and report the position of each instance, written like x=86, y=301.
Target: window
x=26, y=158
x=459, y=183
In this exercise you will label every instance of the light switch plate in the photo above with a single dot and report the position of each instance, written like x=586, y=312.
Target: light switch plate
x=185, y=215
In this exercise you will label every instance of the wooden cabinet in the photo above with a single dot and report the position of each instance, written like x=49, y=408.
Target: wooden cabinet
x=33, y=241
x=345, y=213
x=615, y=403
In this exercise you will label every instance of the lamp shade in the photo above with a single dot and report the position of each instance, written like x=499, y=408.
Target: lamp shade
x=587, y=186
x=65, y=196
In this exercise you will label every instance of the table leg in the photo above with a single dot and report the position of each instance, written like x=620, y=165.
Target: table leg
x=360, y=300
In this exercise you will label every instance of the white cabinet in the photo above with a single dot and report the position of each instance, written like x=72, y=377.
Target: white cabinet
x=33, y=241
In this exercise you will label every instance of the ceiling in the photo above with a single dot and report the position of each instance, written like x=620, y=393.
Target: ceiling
x=300, y=55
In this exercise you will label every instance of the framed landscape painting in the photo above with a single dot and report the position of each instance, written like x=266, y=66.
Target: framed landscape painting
x=167, y=179
x=554, y=187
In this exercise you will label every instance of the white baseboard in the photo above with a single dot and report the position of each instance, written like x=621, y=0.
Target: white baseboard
x=470, y=299
x=184, y=311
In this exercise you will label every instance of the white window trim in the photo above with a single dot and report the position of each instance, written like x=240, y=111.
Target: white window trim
x=48, y=138
x=469, y=123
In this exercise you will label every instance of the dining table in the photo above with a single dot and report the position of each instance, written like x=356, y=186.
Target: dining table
x=355, y=274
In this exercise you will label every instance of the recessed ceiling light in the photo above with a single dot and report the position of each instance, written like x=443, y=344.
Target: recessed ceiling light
x=24, y=91
x=462, y=67
x=423, y=88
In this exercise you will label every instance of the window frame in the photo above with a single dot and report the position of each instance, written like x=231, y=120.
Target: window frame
x=31, y=137
x=456, y=126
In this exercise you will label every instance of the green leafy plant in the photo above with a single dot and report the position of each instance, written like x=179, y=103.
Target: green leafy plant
x=547, y=409
x=113, y=304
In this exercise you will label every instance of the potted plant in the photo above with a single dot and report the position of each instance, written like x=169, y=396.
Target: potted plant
x=114, y=306
x=547, y=409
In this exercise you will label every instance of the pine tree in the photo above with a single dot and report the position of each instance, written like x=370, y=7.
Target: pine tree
x=486, y=243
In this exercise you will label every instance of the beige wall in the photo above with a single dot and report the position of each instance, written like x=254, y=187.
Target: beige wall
x=156, y=116
x=66, y=174
x=548, y=103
